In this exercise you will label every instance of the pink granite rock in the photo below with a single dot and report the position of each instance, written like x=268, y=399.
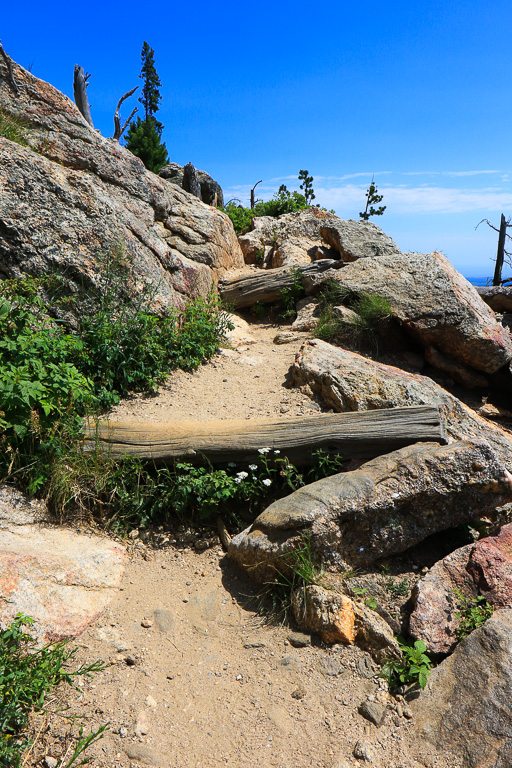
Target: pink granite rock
x=60, y=578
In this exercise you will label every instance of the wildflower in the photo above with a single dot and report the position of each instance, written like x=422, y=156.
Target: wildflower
x=253, y=467
x=267, y=482
x=237, y=479
x=263, y=450
x=276, y=451
x=242, y=475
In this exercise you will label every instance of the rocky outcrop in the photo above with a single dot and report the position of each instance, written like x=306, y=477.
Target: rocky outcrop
x=435, y=305
x=347, y=381
x=211, y=192
x=483, y=569
x=338, y=619
x=466, y=708
x=287, y=240
x=498, y=297
x=73, y=195
x=310, y=234
x=357, y=239
x=387, y=506
x=61, y=579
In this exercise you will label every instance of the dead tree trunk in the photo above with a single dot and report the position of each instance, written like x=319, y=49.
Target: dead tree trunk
x=80, y=93
x=118, y=131
x=267, y=286
x=360, y=434
x=253, y=200
x=500, y=256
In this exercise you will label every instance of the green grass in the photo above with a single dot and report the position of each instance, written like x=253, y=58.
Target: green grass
x=360, y=330
x=13, y=128
x=28, y=675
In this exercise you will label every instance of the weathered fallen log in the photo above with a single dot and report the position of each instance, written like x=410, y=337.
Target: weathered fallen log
x=363, y=434
x=266, y=286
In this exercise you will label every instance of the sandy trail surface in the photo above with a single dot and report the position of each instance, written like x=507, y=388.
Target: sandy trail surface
x=196, y=678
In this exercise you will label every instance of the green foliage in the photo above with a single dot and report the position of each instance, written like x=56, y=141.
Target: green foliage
x=13, y=128
x=290, y=295
x=50, y=378
x=27, y=675
x=150, y=97
x=472, y=612
x=144, y=137
x=362, y=329
x=131, y=493
x=42, y=392
x=397, y=588
x=412, y=669
x=282, y=202
x=307, y=186
x=372, y=198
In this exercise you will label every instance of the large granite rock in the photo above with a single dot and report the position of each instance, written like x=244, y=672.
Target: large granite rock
x=434, y=303
x=357, y=239
x=72, y=195
x=288, y=240
x=61, y=579
x=388, y=505
x=482, y=569
x=466, y=708
x=211, y=191
x=347, y=381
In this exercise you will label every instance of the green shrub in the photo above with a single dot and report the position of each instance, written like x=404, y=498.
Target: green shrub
x=282, y=202
x=128, y=492
x=412, y=669
x=42, y=393
x=27, y=675
x=50, y=378
x=362, y=329
x=13, y=128
x=472, y=612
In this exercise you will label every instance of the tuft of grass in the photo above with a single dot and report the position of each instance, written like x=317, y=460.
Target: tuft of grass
x=360, y=330
x=28, y=674
x=13, y=128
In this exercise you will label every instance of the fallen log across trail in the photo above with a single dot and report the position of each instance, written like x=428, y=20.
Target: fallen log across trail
x=266, y=285
x=360, y=434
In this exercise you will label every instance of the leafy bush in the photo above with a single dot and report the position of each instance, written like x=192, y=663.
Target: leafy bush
x=412, y=669
x=50, y=378
x=131, y=493
x=42, y=393
x=27, y=675
x=472, y=612
x=13, y=128
x=282, y=202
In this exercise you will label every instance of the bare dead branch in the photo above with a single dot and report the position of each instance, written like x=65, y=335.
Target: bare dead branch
x=253, y=201
x=118, y=131
x=9, y=69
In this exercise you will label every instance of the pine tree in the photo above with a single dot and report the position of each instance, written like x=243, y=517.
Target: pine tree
x=372, y=197
x=144, y=137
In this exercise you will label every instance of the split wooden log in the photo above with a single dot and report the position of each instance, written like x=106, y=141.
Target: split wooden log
x=360, y=434
x=266, y=286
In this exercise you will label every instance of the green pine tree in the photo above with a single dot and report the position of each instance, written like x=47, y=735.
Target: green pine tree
x=144, y=136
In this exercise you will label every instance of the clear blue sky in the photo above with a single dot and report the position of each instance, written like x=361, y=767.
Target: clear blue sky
x=415, y=93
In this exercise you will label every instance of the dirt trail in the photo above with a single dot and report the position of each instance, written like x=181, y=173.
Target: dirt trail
x=196, y=679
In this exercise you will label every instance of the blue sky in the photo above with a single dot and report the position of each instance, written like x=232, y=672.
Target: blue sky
x=413, y=93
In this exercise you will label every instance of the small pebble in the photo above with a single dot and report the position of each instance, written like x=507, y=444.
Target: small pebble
x=130, y=661
x=123, y=732
x=50, y=762
x=146, y=623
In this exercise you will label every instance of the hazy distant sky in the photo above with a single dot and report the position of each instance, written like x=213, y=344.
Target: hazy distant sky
x=416, y=94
